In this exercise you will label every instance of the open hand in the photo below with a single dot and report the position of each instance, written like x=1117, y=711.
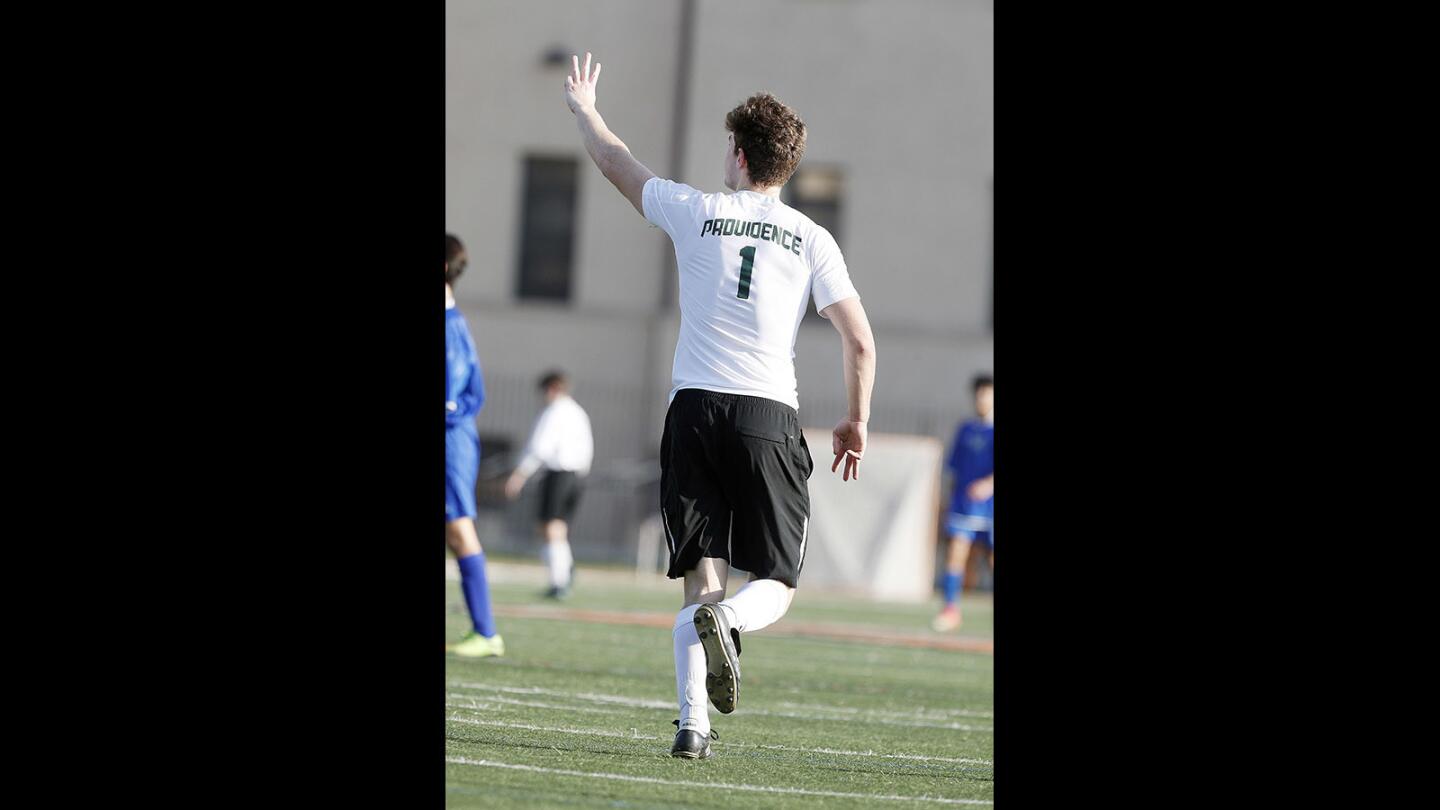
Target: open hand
x=580, y=85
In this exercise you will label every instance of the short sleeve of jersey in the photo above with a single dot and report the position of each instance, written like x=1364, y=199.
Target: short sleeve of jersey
x=670, y=205
x=830, y=281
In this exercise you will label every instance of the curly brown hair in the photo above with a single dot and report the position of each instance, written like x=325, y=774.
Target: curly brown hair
x=771, y=134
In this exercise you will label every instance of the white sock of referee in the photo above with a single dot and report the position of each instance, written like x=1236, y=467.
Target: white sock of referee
x=559, y=559
x=757, y=605
x=690, y=673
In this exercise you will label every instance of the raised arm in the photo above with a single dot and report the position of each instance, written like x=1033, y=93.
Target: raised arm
x=610, y=154
x=858, y=344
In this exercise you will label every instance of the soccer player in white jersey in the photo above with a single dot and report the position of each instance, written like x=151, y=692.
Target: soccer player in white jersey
x=734, y=464
x=564, y=447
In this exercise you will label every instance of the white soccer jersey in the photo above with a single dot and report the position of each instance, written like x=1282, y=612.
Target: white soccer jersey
x=561, y=439
x=748, y=265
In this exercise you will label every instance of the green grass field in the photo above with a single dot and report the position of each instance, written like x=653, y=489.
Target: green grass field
x=577, y=713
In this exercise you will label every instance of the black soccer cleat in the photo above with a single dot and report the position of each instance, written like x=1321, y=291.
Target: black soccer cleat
x=722, y=656
x=691, y=744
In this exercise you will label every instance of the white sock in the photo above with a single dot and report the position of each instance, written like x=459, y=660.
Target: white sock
x=757, y=605
x=557, y=556
x=690, y=673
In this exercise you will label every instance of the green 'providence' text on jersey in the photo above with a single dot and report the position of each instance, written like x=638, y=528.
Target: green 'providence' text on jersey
x=748, y=265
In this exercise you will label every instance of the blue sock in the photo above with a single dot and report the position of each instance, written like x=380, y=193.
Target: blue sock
x=477, y=593
x=952, y=587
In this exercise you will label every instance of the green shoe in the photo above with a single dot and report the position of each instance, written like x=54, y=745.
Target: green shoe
x=475, y=645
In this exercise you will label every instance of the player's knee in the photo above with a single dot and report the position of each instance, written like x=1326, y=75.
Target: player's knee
x=959, y=551
x=781, y=593
x=703, y=584
x=786, y=598
x=461, y=537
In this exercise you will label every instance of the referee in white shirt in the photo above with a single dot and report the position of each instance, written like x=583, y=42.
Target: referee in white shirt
x=561, y=443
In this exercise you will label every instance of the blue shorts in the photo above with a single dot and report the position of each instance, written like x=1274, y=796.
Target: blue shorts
x=974, y=522
x=462, y=468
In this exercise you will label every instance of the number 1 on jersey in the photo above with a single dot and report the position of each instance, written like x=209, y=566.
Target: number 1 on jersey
x=748, y=256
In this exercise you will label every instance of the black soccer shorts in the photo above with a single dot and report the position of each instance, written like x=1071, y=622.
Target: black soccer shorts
x=734, y=484
x=560, y=492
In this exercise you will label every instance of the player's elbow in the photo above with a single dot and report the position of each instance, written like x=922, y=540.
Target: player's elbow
x=859, y=339
x=861, y=347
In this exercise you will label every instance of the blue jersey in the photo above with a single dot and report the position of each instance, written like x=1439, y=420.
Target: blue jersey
x=464, y=384
x=971, y=457
x=464, y=394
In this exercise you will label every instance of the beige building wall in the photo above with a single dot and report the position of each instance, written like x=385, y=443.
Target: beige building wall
x=897, y=93
x=900, y=95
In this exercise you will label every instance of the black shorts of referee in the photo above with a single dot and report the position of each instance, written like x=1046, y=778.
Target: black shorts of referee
x=560, y=492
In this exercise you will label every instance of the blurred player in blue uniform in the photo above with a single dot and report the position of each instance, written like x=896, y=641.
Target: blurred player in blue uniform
x=464, y=394
x=972, y=507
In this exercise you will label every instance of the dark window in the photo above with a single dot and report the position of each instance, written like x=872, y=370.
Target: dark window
x=816, y=192
x=547, y=228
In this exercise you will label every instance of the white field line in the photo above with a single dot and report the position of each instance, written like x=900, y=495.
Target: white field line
x=641, y=703
x=485, y=763
x=535, y=690
x=920, y=713
x=633, y=735
x=487, y=701
x=636, y=735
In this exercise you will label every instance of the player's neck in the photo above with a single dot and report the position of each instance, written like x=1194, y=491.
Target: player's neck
x=449, y=297
x=768, y=191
